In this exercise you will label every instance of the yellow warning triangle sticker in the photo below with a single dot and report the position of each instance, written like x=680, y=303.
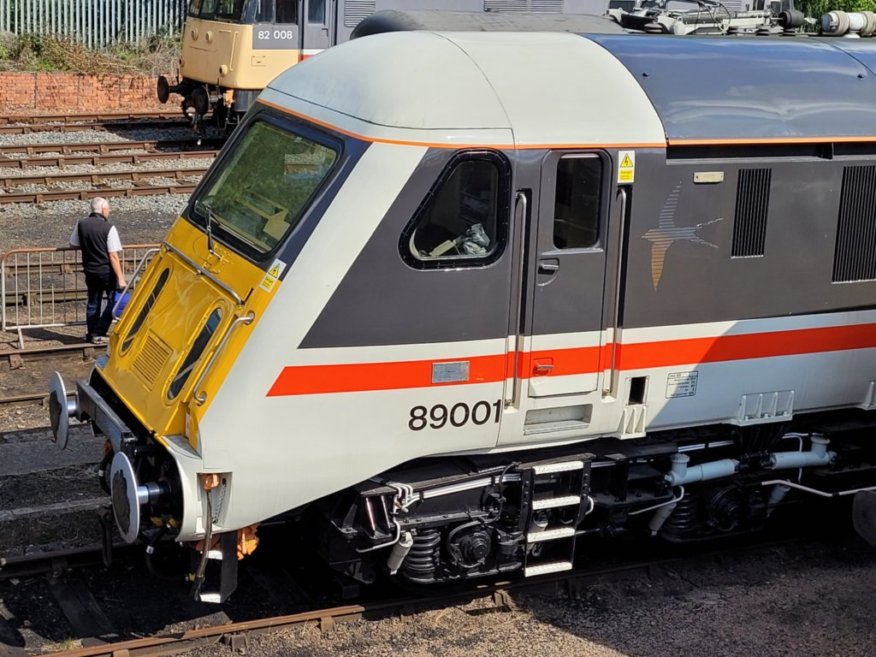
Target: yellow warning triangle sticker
x=274, y=271
x=626, y=162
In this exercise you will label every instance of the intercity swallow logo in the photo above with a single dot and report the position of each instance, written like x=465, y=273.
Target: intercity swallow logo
x=667, y=233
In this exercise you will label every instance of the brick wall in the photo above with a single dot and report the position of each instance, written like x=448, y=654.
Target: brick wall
x=52, y=93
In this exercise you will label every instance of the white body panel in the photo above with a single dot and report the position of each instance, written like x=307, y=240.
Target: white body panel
x=385, y=88
x=363, y=433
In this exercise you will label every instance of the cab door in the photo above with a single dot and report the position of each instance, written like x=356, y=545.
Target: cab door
x=316, y=21
x=568, y=281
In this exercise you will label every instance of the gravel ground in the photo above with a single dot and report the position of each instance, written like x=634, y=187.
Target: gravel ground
x=140, y=220
x=799, y=601
x=32, y=377
x=145, y=165
x=94, y=136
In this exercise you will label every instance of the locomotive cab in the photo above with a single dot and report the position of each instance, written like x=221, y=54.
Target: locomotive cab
x=232, y=49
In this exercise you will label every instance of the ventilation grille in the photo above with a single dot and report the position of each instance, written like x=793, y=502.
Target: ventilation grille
x=855, y=255
x=525, y=6
x=151, y=359
x=752, y=205
x=357, y=10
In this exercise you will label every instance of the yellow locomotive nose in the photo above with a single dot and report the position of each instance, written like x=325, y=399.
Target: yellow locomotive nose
x=159, y=355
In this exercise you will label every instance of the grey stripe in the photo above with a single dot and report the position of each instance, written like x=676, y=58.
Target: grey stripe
x=706, y=88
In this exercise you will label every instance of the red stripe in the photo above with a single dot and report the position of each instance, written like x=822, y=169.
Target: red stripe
x=360, y=377
x=316, y=379
x=737, y=347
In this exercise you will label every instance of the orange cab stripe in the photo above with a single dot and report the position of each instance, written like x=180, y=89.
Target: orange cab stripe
x=447, y=144
x=361, y=377
x=716, y=141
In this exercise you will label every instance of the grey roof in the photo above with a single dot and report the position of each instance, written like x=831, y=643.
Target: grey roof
x=396, y=20
x=751, y=88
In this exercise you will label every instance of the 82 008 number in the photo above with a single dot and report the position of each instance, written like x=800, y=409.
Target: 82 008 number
x=278, y=34
x=458, y=415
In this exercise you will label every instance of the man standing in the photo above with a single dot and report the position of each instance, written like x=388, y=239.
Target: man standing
x=101, y=246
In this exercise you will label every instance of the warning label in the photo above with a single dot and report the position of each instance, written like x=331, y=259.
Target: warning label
x=681, y=384
x=626, y=171
x=272, y=275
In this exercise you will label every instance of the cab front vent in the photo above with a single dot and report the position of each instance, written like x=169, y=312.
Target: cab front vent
x=151, y=359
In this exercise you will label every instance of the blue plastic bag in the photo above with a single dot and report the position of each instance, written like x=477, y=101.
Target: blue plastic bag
x=120, y=300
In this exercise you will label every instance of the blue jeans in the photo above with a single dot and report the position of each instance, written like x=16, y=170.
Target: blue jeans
x=97, y=319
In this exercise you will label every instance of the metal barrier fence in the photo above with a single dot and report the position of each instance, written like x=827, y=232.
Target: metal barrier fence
x=45, y=287
x=95, y=23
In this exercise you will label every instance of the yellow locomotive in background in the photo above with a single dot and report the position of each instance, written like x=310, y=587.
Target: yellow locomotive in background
x=232, y=49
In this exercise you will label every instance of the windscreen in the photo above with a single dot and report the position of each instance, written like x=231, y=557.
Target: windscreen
x=265, y=185
x=230, y=10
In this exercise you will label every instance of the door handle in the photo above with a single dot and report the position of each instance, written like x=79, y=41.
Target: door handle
x=548, y=267
x=542, y=367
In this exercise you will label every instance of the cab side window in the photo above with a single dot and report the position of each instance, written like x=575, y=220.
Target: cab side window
x=463, y=220
x=264, y=11
x=577, y=201
x=287, y=11
x=316, y=12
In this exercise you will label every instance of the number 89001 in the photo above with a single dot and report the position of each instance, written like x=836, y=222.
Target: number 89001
x=440, y=416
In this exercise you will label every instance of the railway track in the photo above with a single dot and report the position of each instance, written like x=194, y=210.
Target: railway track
x=50, y=498
x=75, y=599
x=28, y=397
x=109, y=158
x=106, y=147
x=98, y=155
x=85, y=194
x=37, y=119
x=19, y=356
x=116, y=124
x=98, y=181
x=98, y=177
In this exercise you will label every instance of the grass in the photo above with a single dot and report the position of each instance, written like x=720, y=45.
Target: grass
x=41, y=53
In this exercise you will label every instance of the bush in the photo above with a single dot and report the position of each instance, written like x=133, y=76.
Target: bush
x=50, y=53
x=817, y=8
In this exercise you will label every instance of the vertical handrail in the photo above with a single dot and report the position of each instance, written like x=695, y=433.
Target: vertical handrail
x=200, y=396
x=609, y=387
x=521, y=207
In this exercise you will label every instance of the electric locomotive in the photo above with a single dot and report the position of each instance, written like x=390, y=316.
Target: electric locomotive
x=232, y=49
x=459, y=304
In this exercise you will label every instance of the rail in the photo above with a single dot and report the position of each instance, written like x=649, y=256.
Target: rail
x=501, y=594
x=45, y=287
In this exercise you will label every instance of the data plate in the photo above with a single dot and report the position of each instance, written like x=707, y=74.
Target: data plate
x=450, y=372
x=681, y=384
